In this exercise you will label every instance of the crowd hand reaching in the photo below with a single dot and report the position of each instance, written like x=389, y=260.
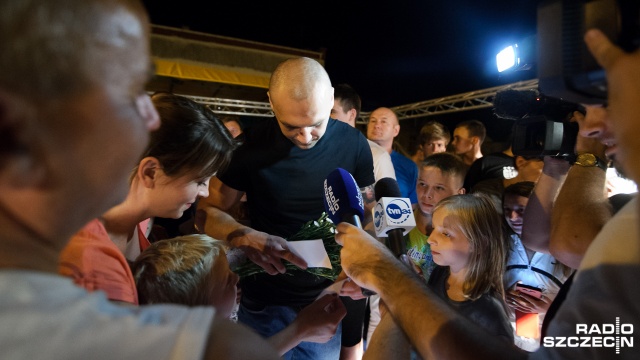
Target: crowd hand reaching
x=623, y=86
x=361, y=255
x=267, y=251
x=318, y=321
x=412, y=265
x=526, y=303
x=349, y=288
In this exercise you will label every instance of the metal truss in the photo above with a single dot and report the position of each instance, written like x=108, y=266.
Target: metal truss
x=234, y=107
x=455, y=103
x=473, y=100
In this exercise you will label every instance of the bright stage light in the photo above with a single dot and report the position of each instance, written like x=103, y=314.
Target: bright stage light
x=507, y=58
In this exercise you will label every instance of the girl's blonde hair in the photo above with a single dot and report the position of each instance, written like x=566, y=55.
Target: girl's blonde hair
x=178, y=270
x=477, y=218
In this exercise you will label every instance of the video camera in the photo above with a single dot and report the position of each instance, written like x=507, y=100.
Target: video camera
x=542, y=124
x=568, y=75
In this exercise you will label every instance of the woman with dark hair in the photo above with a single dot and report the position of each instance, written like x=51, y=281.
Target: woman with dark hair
x=190, y=147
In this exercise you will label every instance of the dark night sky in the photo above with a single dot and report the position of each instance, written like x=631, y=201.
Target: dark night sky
x=391, y=52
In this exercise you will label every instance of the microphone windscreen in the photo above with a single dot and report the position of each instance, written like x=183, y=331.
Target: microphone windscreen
x=342, y=197
x=387, y=187
x=515, y=104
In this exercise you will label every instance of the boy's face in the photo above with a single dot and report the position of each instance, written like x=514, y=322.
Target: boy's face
x=462, y=141
x=434, y=146
x=433, y=186
x=223, y=286
x=513, y=208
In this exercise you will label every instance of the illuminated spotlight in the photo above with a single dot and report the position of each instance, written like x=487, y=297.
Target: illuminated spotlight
x=518, y=56
x=507, y=58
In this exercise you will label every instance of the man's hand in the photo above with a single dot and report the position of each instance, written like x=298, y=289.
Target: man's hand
x=267, y=251
x=318, y=321
x=526, y=303
x=361, y=254
x=349, y=288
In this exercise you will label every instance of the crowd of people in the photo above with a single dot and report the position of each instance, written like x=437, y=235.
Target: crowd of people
x=504, y=261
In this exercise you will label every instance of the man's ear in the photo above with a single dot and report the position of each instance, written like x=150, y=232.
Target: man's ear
x=148, y=171
x=270, y=103
x=520, y=162
x=462, y=190
x=22, y=159
x=352, y=116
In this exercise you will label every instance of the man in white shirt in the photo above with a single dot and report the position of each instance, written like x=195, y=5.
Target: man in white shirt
x=74, y=119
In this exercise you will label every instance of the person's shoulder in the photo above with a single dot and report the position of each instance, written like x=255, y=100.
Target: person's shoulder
x=401, y=159
x=376, y=149
x=338, y=127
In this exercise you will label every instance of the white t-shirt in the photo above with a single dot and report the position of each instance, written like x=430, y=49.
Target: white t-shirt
x=45, y=316
x=382, y=165
x=605, y=288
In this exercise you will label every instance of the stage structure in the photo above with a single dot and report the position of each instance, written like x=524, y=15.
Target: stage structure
x=231, y=76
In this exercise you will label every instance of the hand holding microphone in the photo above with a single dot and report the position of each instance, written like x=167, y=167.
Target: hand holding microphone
x=343, y=202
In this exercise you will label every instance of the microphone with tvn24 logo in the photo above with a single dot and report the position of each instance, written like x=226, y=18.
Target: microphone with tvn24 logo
x=392, y=216
x=343, y=202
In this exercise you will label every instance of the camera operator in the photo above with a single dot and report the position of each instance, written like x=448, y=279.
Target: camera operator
x=604, y=288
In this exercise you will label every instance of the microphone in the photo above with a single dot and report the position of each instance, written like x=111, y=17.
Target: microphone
x=517, y=104
x=343, y=202
x=392, y=216
x=342, y=199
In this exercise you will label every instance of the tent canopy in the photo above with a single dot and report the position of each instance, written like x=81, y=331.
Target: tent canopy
x=200, y=64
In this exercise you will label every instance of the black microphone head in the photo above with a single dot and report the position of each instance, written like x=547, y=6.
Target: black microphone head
x=342, y=197
x=515, y=104
x=387, y=187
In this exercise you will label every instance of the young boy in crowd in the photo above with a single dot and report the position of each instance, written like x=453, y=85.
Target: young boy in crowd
x=440, y=175
x=193, y=270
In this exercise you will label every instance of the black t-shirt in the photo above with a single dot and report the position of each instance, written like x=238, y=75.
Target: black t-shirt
x=487, y=167
x=487, y=312
x=284, y=187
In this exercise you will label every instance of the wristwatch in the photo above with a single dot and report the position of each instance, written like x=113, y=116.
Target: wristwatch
x=590, y=160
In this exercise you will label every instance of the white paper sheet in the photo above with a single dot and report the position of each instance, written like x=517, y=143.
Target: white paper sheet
x=312, y=251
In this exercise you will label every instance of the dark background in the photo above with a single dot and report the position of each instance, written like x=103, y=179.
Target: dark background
x=392, y=52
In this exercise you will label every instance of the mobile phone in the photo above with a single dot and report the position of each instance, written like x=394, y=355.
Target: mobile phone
x=529, y=290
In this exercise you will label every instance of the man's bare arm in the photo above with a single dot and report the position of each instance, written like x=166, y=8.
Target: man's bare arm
x=580, y=211
x=228, y=340
x=536, y=229
x=582, y=207
x=434, y=328
x=388, y=342
x=264, y=249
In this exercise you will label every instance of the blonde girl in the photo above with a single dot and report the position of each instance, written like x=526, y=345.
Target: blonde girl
x=468, y=246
